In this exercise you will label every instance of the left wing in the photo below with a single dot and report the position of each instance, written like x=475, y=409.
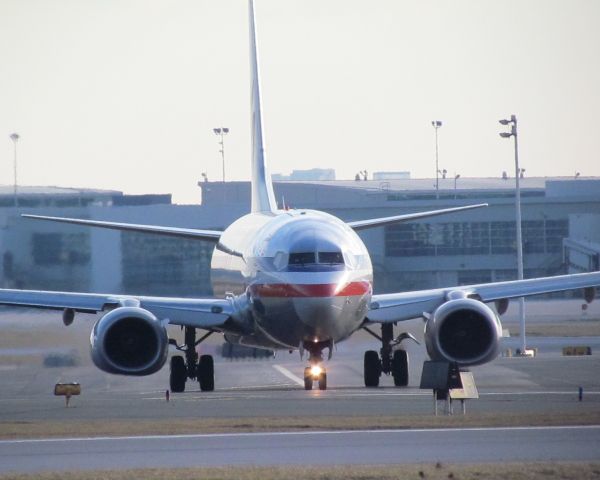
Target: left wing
x=394, y=307
x=199, y=313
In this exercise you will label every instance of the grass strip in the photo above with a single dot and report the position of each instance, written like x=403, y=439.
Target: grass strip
x=513, y=471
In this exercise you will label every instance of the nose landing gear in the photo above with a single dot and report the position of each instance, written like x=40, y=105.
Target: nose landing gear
x=316, y=372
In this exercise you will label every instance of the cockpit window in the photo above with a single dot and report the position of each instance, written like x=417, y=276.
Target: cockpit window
x=302, y=258
x=331, y=257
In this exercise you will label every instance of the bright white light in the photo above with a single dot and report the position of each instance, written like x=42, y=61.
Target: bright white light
x=315, y=370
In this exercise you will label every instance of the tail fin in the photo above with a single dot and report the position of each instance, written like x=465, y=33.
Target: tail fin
x=263, y=199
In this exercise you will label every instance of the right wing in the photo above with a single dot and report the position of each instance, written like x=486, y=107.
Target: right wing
x=395, y=307
x=408, y=217
x=209, y=235
x=189, y=312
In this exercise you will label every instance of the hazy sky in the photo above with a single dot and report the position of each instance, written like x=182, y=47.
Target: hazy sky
x=123, y=94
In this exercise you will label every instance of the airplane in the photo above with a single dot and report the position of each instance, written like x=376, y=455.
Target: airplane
x=292, y=280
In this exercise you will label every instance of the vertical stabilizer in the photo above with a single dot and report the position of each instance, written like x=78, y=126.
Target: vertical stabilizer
x=263, y=199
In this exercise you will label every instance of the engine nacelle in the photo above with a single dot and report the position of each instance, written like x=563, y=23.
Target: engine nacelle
x=464, y=331
x=129, y=341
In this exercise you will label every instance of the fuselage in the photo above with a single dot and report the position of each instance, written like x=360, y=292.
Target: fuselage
x=304, y=275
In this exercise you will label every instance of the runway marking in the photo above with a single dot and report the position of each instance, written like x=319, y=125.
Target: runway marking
x=246, y=393
x=408, y=431
x=288, y=374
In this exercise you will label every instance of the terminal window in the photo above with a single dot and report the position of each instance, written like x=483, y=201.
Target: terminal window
x=473, y=238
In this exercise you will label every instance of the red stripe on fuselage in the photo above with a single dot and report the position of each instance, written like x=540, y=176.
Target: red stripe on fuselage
x=311, y=289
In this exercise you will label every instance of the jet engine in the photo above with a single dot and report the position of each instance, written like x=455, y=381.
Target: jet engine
x=129, y=341
x=464, y=331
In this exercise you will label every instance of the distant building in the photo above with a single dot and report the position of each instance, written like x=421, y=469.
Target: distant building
x=561, y=233
x=391, y=175
x=314, y=174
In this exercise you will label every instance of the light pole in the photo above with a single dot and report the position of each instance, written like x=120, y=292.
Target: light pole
x=513, y=133
x=436, y=125
x=15, y=138
x=456, y=177
x=221, y=132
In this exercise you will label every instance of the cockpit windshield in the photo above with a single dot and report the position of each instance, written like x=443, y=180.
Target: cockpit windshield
x=301, y=258
x=332, y=258
x=310, y=258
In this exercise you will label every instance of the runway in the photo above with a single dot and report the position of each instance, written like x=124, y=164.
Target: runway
x=305, y=448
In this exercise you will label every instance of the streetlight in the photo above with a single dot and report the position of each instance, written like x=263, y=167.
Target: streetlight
x=222, y=131
x=513, y=133
x=15, y=138
x=436, y=125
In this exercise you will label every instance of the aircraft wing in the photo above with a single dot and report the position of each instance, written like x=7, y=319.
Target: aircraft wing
x=210, y=235
x=394, y=307
x=199, y=313
x=380, y=222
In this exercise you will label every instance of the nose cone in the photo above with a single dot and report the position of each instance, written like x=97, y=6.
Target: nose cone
x=319, y=313
x=331, y=317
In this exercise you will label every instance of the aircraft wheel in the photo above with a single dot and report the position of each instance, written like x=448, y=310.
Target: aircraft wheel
x=400, y=368
x=178, y=374
x=206, y=373
x=323, y=381
x=372, y=368
x=308, y=379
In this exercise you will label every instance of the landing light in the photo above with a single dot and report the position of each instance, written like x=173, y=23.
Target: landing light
x=315, y=370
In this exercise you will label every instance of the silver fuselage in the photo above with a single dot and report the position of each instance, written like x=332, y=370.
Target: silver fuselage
x=303, y=276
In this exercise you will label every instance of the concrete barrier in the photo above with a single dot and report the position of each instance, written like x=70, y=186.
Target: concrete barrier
x=576, y=351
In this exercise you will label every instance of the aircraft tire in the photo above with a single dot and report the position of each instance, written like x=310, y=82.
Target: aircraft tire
x=178, y=374
x=400, y=368
x=323, y=381
x=372, y=368
x=308, y=379
x=206, y=373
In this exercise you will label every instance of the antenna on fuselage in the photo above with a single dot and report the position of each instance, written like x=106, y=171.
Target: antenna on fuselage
x=263, y=199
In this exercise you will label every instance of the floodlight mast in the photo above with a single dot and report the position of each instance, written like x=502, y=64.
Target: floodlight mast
x=513, y=133
x=15, y=138
x=436, y=125
x=221, y=132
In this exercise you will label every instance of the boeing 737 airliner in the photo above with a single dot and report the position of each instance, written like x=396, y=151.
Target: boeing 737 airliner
x=293, y=280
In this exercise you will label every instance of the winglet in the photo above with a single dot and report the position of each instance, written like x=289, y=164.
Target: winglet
x=263, y=199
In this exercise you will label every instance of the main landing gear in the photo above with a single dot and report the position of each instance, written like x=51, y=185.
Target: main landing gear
x=316, y=372
x=200, y=369
x=389, y=360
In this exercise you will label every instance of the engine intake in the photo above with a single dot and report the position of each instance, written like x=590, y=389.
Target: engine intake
x=464, y=331
x=129, y=341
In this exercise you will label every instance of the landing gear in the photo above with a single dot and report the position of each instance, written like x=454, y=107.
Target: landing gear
x=390, y=360
x=202, y=370
x=313, y=374
x=316, y=372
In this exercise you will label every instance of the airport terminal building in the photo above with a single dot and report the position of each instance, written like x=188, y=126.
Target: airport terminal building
x=561, y=232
